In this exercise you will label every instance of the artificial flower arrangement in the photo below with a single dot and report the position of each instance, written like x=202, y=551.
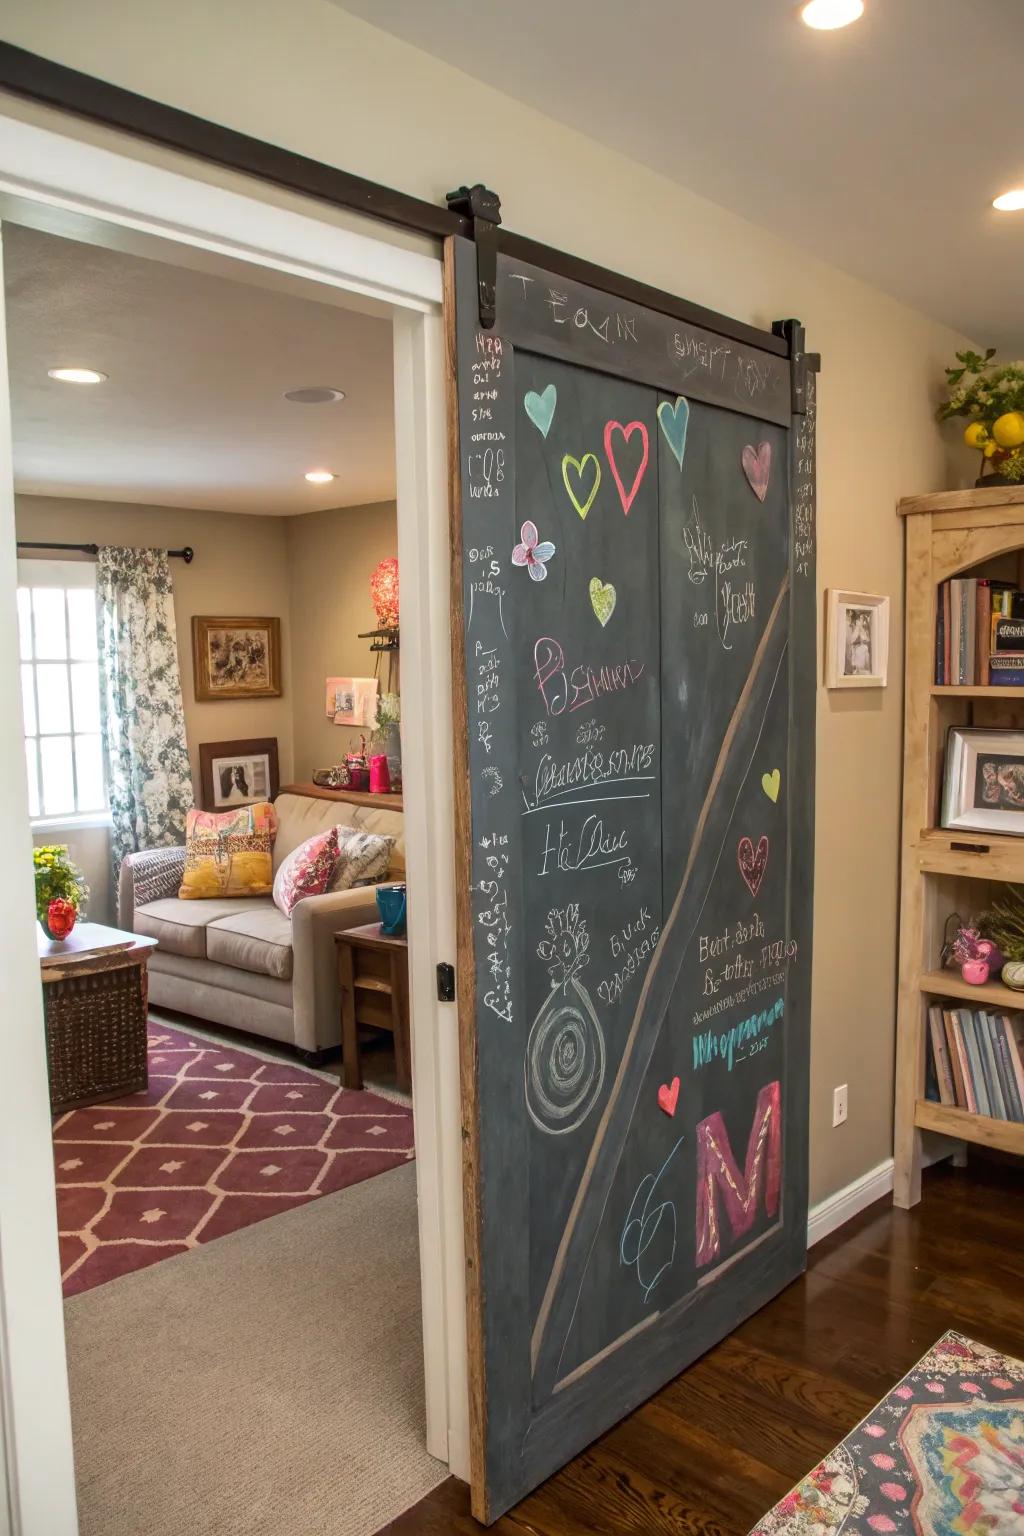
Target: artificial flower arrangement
x=61, y=891
x=992, y=395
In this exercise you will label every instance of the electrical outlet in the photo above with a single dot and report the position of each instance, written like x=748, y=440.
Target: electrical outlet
x=840, y=1109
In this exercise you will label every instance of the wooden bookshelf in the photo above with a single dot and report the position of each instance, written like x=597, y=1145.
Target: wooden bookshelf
x=944, y=871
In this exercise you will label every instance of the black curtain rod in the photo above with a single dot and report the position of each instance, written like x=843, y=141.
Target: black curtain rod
x=187, y=553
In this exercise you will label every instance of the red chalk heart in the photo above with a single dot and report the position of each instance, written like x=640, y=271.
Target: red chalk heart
x=752, y=863
x=668, y=1097
x=757, y=466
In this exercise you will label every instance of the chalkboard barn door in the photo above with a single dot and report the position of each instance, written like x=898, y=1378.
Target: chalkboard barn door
x=634, y=629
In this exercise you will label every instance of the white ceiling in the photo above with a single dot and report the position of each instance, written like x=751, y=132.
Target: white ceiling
x=192, y=414
x=879, y=147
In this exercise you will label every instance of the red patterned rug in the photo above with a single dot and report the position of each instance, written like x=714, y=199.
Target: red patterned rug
x=221, y=1139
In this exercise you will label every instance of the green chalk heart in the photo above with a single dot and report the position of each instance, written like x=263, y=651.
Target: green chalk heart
x=602, y=599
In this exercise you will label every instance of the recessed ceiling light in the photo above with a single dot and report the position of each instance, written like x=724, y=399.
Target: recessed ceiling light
x=318, y=476
x=829, y=15
x=76, y=375
x=314, y=394
x=1009, y=202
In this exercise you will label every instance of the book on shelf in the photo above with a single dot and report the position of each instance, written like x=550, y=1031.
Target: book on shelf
x=976, y=1061
x=979, y=633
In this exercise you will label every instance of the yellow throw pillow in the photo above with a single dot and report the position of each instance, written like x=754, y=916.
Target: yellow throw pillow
x=229, y=854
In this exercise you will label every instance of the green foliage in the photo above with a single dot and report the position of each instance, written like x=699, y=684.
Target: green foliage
x=982, y=390
x=1004, y=922
x=57, y=878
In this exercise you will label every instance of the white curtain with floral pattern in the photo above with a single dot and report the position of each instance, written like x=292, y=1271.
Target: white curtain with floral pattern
x=143, y=718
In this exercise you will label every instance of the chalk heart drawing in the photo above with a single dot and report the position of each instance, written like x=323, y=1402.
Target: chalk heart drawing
x=541, y=408
x=602, y=599
x=752, y=862
x=668, y=1097
x=626, y=497
x=771, y=784
x=585, y=500
x=674, y=420
x=757, y=466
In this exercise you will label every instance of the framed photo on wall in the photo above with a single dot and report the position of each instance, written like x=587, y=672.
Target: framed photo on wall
x=983, y=784
x=857, y=640
x=236, y=658
x=238, y=772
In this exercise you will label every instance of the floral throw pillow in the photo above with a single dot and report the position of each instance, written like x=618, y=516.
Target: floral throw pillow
x=307, y=871
x=363, y=858
x=229, y=854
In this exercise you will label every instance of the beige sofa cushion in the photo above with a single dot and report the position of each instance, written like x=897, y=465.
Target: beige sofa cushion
x=180, y=926
x=300, y=817
x=258, y=939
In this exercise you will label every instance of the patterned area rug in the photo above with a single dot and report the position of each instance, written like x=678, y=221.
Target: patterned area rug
x=942, y=1455
x=222, y=1139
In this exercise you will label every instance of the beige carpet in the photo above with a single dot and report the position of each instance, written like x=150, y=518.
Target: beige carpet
x=270, y=1382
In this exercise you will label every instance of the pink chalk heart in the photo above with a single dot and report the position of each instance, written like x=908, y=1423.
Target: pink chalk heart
x=668, y=1097
x=757, y=466
x=752, y=862
x=627, y=497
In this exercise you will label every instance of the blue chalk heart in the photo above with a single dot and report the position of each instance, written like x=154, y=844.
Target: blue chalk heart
x=541, y=408
x=674, y=420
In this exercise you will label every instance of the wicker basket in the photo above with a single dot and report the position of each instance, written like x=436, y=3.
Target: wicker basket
x=96, y=1036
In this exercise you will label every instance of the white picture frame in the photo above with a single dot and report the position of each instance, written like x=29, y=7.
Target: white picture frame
x=983, y=781
x=856, y=640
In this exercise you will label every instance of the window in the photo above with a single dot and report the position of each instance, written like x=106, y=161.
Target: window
x=60, y=689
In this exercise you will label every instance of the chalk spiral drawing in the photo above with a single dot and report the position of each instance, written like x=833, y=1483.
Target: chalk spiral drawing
x=674, y=421
x=611, y=427
x=752, y=862
x=532, y=553
x=650, y=1231
x=602, y=599
x=719, y=1176
x=541, y=408
x=565, y=1057
x=757, y=466
x=579, y=465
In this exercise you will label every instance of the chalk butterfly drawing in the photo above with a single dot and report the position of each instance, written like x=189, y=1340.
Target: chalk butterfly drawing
x=532, y=553
x=674, y=421
x=565, y=1057
x=579, y=466
x=541, y=408
x=626, y=497
x=757, y=466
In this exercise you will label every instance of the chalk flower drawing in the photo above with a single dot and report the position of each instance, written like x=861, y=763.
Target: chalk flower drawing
x=532, y=554
x=565, y=1059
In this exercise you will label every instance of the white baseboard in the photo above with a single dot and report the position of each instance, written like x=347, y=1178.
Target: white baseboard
x=847, y=1203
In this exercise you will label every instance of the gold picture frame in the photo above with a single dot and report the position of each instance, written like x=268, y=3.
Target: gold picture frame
x=236, y=658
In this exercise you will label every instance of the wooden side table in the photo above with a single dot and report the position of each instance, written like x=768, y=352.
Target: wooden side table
x=95, y=995
x=373, y=977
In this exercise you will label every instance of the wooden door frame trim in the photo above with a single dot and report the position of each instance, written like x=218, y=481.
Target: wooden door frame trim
x=56, y=85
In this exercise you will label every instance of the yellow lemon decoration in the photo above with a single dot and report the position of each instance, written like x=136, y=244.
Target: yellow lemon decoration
x=990, y=450
x=976, y=435
x=1008, y=430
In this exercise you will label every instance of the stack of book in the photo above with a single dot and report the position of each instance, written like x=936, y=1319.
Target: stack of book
x=979, y=633
x=976, y=1061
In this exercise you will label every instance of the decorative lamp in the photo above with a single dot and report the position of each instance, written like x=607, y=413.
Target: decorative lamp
x=384, y=593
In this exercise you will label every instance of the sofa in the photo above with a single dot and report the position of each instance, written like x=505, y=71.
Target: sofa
x=240, y=961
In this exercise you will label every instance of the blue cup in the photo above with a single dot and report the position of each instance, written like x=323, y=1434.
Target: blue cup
x=391, y=906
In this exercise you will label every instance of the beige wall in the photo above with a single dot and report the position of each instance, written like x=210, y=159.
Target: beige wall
x=331, y=558
x=308, y=76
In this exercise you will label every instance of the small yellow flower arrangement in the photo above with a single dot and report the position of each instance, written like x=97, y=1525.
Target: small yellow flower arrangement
x=992, y=395
x=61, y=891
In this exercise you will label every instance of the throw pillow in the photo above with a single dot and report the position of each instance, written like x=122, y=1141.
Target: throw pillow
x=229, y=854
x=307, y=870
x=363, y=858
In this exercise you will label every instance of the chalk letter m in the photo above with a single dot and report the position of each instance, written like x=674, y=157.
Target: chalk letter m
x=717, y=1173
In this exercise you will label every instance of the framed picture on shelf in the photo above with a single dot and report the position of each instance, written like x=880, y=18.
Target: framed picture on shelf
x=351, y=700
x=983, y=784
x=857, y=640
x=238, y=772
x=236, y=659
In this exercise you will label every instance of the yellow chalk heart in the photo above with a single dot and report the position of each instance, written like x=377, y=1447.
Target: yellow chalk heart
x=602, y=599
x=770, y=783
x=582, y=507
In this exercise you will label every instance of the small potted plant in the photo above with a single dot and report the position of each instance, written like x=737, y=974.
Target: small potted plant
x=992, y=396
x=61, y=891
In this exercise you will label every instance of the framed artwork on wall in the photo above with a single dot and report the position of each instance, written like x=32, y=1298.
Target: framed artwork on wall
x=856, y=640
x=236, y=658
x=238, y=772
x=983, y=783
x=351, y=700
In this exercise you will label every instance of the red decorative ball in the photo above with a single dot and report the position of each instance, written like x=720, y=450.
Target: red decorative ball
x=61, y=917
x=384, y=593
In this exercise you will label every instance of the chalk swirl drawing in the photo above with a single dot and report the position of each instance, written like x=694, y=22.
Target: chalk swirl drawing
x=674, y=421
x=611, y=427
x=757, y=466
x=649, y=1234
x=541, y=408
x=493, y=778
x=579, y=465
x=752, y=862
x=565, y=1057
x=532, y=553
x=771, y=783
x=602, y=599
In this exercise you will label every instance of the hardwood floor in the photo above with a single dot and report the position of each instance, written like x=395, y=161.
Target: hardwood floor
x=717, y=1447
